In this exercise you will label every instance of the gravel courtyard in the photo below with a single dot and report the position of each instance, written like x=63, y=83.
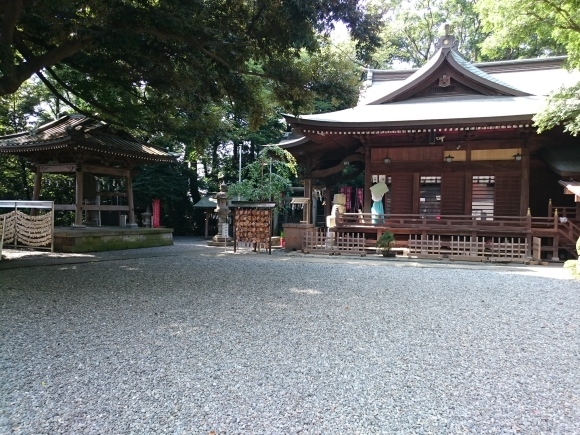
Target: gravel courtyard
x=191, y=340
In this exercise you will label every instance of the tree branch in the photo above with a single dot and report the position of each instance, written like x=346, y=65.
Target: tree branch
x=10, y=16
x=572, y=25
x=91, y=101
x=181, y=38
x=58, y=95
x=22, y=72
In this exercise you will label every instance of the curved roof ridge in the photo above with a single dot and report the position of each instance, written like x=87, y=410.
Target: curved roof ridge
x=471, y=67
x=446, y=45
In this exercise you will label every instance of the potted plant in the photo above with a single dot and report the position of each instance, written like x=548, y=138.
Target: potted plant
x=385, y=243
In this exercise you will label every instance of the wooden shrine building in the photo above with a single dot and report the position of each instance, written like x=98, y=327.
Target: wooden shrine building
x=84, y=149
x=456, y=145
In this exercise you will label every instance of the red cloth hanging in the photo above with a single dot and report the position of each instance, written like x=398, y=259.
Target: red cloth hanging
x=348, y=192
x=360, y=199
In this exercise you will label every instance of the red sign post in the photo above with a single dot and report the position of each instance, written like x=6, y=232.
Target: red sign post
x=156, y=217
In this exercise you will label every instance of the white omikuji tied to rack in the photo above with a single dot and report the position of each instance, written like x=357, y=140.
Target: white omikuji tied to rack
x=19, y=229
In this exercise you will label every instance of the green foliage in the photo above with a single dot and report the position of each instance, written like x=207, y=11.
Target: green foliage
x=386, y=242
x=562, y=107
x=16, y=179
x=572, y=267
x=531, y=28
x=538, y=28
x=411, y=27
x=170, y=184
x=148, y=65
x=267, y=178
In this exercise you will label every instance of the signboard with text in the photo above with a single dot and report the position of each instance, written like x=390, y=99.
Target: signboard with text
x=156, y=214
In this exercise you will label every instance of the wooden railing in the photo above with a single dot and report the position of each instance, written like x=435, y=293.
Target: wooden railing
x=556, y=233
x=567, y=212
x=521, y=224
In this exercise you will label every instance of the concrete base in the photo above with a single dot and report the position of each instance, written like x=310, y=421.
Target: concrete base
x=109, y=238
x=294, y=234
x=220, y=241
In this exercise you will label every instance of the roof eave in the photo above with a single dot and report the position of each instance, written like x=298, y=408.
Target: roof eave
x=439, y=59
x=426, y=122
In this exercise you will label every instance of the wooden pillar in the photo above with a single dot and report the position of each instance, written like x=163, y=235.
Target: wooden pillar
x=308, y=194
x=131, y=218
x=79, y=194
x=36, y=192
x=207, y=214
x=525, y=180
x=416, y=193
x=368, y=181
x=37, y=183
x=328, y=199
x=556, y=239
x=468, y=197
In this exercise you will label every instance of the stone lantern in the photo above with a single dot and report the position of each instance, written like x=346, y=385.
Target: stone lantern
x=222, y=238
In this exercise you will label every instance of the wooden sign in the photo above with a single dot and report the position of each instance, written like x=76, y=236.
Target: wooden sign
x=156, y=215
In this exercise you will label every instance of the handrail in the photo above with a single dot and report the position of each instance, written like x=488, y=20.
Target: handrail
x=526, y=223
x=569, y=212
x=570, y=230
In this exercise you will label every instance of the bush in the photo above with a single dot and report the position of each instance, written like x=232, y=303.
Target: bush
x=571, y=265
x=386, y=242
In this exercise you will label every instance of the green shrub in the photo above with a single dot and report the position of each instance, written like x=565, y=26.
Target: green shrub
x=386, y=242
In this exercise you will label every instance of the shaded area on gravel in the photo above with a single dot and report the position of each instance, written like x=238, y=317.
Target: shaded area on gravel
x=258, y=344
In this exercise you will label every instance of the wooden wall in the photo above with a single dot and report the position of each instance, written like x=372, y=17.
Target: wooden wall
x=402, y=195
x=453, y=194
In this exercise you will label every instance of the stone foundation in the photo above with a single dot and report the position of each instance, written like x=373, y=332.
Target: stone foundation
x=110, y=238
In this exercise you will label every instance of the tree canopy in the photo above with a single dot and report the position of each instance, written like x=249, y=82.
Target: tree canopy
x=411, y=27
x=552, y=27
x=150, y=62
x=531, y=28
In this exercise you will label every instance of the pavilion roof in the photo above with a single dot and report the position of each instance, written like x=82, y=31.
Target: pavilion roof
x=81, y=132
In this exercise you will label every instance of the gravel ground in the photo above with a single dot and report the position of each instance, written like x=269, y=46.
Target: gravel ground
x=189, y=340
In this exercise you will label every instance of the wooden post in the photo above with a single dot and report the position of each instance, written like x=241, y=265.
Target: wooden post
x=416, y=193
x=529, y=233
x=368, y=181
x=308, y=194
x=555, y=242
x=36, y=191
x=525, y=180
x=79, y=194
x=207, y=214
x=328, y=199
x=131, y=223
x=468, y=193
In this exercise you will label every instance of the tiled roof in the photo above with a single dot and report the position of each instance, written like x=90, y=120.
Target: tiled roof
x=429, y=111
x=78, y=130
x=478, y=72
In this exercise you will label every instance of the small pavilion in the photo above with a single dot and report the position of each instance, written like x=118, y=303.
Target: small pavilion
x=85, y=149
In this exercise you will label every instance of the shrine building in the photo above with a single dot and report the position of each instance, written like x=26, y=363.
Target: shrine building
x=455, y=143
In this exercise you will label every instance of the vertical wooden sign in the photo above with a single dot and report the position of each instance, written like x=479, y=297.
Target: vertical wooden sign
x=156, y=217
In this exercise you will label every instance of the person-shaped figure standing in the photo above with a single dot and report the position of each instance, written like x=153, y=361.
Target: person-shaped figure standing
x=377, y=192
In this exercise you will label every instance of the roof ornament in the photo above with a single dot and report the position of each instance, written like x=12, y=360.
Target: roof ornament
x=446, y=41
x=444, y=81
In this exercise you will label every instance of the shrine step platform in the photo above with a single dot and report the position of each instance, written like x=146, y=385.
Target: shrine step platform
x=92, y=239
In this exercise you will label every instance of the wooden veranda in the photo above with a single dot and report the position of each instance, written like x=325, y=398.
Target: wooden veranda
x=555, y=233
